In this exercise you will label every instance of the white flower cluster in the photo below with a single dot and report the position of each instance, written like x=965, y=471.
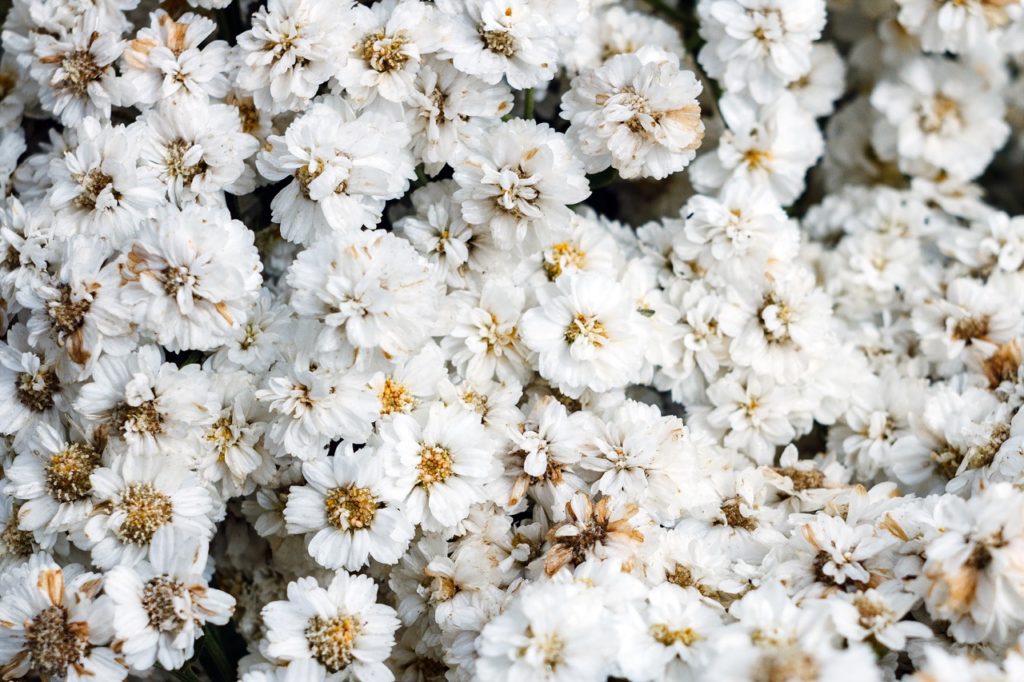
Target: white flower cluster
x=488, y=340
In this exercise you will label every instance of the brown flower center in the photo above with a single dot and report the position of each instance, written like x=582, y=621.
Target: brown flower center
x=80, y=69
x=66, y=314
x=68, y=472
x=350, y=508
x=146, y=510
x=142, y=418
x=175, y=162
x=666, y=636
x=332, y=640
x=394, y=397
x=158, y=601
x=499, y=42
x=384, y=53
x=36, y=391
x=55, y=644
x=93, y=183
x=435, y=465
x=588, y=328
x=734, y=517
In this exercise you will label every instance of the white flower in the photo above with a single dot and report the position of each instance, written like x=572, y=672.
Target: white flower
x=585, y=334
x=289, y=52
x=520, y=175
x=450, y=108
x=344, y=167
x=939, y=113
x=341, y=628
x=54, y=624
x=669, y=637
x=371, y=289
x=637, y=113
x=759, y=45
x=197, y=150
x=436, y=229
x=438, y=463
x=550, y=631
x=771, y=146
x=79, y=309
x=484, y=343
x=75, y=71
x=312, y=403
x=973, y=566
x=347, y=510
x=147, y=404
x=947, y=26
x=165, y=61
x=31, y=390
x=384, y=50
x=53, y=482
x=161, y=605
x=519, y=40
x=97, y=189
x=141, y=497
x=190, y=276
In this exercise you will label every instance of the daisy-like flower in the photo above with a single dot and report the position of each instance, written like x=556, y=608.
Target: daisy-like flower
x=879, y=614
x=313, y=402
x=754, y=412
x=146, y=403
x=233, y=455
x=343, y=166
x=938, y=113
x=436, y=229
x=671, y=637
x=603, y=529
x=450, y=108
x=518, y=40
x=31, y=390
x=75, y=71
x=759, y=45
x=780, y=326
x=97, y=189
x=190, y=276
x=438, y=463
x=770, y=146
x=973, y=566
x=949, y=26
x=637, y=113
x=521, y=175
x=346, y=510
x=485, y=343
x=139, y=498
x=550, y=631
x=371, y=290
x=585, y=334
x=161, y=605
x=79, y=309
x=197, y=150
x=289, y=52
x=165, y=61
x=52, y=481
x=387, y=44
x=54, y=624
x=542, y=457
x=341, y=628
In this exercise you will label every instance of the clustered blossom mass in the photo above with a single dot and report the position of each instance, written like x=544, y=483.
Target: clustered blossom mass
x=562, y=340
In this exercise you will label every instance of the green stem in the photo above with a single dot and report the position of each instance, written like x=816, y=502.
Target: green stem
x=216, y=652
x=528, y=95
